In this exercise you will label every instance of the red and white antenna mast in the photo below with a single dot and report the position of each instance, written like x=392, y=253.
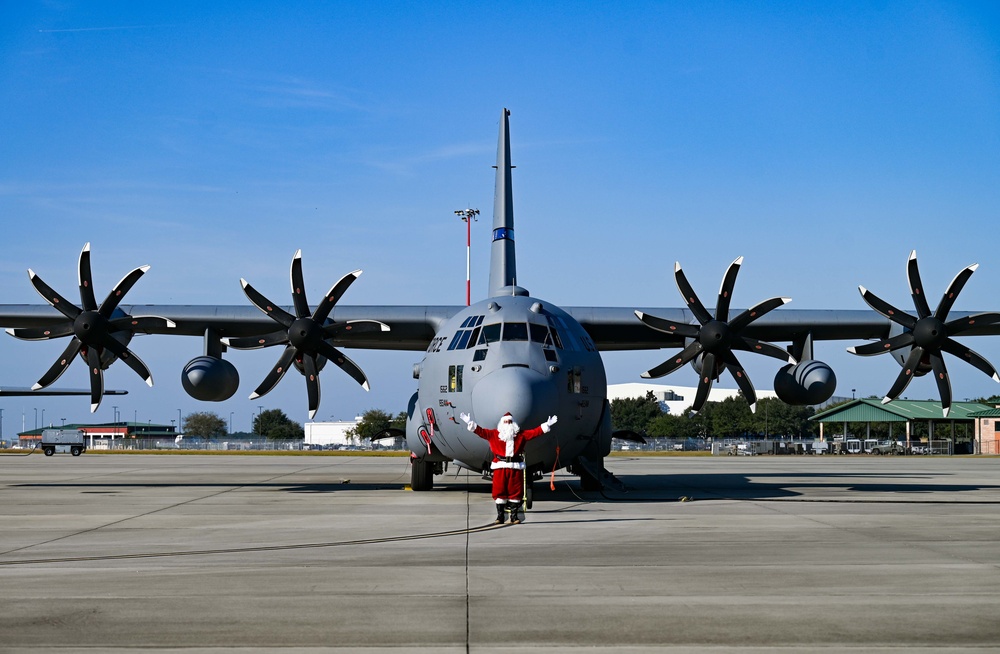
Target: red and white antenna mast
x=467, y=216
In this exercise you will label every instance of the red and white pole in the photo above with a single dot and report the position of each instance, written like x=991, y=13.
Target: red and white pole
x=468, y=215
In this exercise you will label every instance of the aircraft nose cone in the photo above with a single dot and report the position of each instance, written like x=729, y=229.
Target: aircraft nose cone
x=528, y=395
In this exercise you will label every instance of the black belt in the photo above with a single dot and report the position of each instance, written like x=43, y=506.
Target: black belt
x=510, y=459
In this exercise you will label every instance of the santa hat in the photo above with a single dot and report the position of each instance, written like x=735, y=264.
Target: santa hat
x=506, y=420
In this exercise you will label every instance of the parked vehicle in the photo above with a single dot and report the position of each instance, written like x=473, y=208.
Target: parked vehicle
x=71, y=438
x=887, y=447
x=852, y=446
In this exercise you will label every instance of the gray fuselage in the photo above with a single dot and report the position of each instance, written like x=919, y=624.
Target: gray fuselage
x=512, y=354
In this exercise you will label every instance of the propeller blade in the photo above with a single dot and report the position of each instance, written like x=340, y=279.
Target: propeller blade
x=670, y=365
x=954, y=288
x=277, y=372
x=59, y=367
x=61, y=304
x=704, y=382
x=970, y=357
x=275, y=312
x=760, y=347
x=668, y=326
x=299, y=287
x=697, y=308
x=740, y=375
x=345, y=364
x=312, y=383
x=96, y=378
x=128, y=357
x=257, y=342
x=41, y=333
x=883, y=346
x=905, y=375
x=756, y=311
x=86, y=281
x=886, y=309
x=959, y=325
x=916, y=288
x=726, y=290
x=355, y=327
x=333, y=296
x=121, y=288
x=942, y=381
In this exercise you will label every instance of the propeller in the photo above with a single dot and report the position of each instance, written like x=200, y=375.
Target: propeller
x=99, y=332
x=928, y=334
x=305, y=335
x=715, y=337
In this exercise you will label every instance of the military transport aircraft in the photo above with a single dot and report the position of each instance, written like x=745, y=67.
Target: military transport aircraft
x=508, y=352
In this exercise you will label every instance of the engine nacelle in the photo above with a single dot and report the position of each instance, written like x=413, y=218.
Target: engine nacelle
x=210, y=379
x=805, y=383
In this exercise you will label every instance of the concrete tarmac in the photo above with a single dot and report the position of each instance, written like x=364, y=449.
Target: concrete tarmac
x=306, y=554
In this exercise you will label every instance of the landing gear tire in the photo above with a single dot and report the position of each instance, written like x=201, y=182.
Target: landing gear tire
x=421, y=475
x=529, y=495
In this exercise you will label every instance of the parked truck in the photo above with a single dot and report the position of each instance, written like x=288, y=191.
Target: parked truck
x=71, y=438
x=886, y=447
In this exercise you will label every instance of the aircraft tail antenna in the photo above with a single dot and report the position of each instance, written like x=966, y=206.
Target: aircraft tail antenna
x=503, y=269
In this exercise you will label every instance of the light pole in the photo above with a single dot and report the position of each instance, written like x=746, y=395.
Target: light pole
x=230, y=422
x=115, y=417
x=852, y=392
x=467, y=216
x=179, y=423
x=36, y=417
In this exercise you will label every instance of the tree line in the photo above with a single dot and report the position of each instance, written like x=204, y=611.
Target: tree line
x=727, y=419
x=272, y=424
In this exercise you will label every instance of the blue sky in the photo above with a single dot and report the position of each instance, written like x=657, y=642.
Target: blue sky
x=822, y=143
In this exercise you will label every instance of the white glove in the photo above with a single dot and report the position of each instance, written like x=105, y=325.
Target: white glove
x=467, y=419
x=547, y=425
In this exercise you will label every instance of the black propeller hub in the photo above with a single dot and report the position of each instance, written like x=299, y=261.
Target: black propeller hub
x=305, y=334
x=90, y=327
x=715, y=336
x=930, y=333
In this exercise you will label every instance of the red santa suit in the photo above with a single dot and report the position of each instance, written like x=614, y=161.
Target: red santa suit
x=507, y=446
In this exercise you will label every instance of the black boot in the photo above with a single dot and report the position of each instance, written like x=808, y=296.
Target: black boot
x=500, y=516
x=514, y=518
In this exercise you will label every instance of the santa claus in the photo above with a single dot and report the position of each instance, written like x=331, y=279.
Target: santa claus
x=507, y=445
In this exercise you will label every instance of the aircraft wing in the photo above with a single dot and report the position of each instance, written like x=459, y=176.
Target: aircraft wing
x=22, y=391
x=619, y=329
x=410, y=327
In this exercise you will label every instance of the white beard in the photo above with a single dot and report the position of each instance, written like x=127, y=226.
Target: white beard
x=507, y=432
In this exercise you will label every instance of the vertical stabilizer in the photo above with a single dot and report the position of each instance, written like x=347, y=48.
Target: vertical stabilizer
x=503, y=269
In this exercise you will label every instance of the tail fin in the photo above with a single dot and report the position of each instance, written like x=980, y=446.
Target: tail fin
x=503, y=267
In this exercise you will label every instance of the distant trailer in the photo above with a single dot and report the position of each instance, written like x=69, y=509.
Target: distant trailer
x=71, y=438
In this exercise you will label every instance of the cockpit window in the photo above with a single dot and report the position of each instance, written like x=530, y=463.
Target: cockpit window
x=515, y=331
x=539, y=334
x=475, y=337
x=556, y=338
x=490, y=334
x=466, y=334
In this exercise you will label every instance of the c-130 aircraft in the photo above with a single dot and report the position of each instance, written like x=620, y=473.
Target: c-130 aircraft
x=510, y=352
